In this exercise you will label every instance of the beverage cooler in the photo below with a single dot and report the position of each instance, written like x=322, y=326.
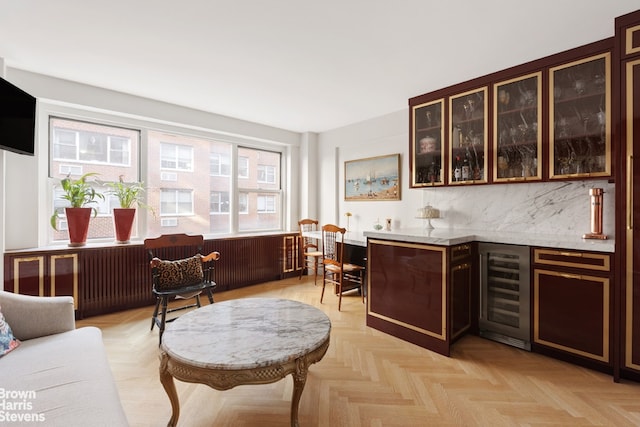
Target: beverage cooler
x=505, y=294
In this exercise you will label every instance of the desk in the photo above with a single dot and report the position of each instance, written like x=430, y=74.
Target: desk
x=355, y=246
x=354, y=238
x=243, y=341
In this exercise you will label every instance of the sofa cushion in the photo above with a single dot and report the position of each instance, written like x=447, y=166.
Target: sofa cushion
x=65, y=379
x=7, y=341
x=179, y=273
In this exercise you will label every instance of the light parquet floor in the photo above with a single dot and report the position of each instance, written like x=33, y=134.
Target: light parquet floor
x=368, y=378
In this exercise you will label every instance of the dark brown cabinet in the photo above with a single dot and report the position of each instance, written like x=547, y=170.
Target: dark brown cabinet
x=549, y=119
x=426, y=154
x=580, y=115
x=420, y=293
x=572, y=306
x=41, y=274
x=628, y=194
x=462, y=317
x=517, y=115
x=468, y=136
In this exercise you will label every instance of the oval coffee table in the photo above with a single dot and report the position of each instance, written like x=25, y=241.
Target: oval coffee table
x=243, y=341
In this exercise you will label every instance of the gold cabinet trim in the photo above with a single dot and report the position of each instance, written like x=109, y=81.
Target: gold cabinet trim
x=606, y=259
x=443, y=334
x=16, y=273
x=628, y=357
x=53, y=260
x=605, y=313
x=294, y=254
x=629, y=49
x=607, y=171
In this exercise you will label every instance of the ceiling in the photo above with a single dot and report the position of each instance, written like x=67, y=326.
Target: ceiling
x=305, y=66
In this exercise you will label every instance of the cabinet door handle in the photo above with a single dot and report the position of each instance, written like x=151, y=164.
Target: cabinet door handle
x=482, y=286
x=630, y=193
x=573, y=254
x=571, y=276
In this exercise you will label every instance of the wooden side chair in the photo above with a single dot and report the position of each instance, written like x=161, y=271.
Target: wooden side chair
x=310, y=252
x=342, y=276
x=179, y=272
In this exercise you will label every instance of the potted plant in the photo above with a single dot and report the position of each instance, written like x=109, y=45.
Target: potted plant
x=79, y=193
x=129, y=195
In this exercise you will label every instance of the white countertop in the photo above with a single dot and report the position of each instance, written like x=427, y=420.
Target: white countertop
x=447, y=237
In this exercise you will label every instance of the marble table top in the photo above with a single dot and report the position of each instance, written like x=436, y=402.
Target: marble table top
x=246, y=333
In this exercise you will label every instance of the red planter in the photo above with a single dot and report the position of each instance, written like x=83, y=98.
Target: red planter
x=123, y=223
x=78, y=223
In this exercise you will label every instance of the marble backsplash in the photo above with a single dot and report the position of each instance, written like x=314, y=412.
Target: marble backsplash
x=562, y=208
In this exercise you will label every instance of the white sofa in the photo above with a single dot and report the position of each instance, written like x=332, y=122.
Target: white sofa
x=58, y=375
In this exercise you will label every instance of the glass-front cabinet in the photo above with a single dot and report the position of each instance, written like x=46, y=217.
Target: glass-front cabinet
x=546, y=120
x=428, y=142
x=580, y=118
x=468, y=137
x=517, y=129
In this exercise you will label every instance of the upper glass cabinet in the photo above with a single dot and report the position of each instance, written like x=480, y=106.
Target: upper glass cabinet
x=426, y=148
x=580, y=118
x=517, y=129
x=468, y=137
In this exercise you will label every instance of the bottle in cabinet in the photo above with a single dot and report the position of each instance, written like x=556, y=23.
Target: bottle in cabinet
x=457, y=171
x=468, y=137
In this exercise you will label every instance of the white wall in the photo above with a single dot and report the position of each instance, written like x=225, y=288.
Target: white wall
x=542, y=208
x=384, y=135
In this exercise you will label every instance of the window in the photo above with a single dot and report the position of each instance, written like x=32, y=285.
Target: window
x=243, y=203
x=266, y=173
x=176, y=202
x=176, y=157
x=79, y=147
x=220, y=165
x=262, y=203
x=219, y=202
x=243, y=167
x=196, y=184
x=266, y=203
x=77, y=141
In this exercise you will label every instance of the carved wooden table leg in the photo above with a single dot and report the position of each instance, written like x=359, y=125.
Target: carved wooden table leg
x=169, y=386
x=299, y=381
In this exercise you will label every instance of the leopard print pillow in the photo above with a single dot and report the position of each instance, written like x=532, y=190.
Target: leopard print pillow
x=179, y=273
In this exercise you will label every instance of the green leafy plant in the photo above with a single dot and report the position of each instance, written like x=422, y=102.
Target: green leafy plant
x=79, y=192
x=129, y=194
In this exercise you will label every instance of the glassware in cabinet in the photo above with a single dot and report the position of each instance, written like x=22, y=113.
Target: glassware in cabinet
x=427, y=142
x=580, y=118
x=468, y=137
x=517, y=142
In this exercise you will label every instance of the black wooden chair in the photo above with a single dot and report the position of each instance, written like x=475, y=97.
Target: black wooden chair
x=179, y=272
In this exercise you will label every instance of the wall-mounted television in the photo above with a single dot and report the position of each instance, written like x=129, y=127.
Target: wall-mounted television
x=17, y=119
